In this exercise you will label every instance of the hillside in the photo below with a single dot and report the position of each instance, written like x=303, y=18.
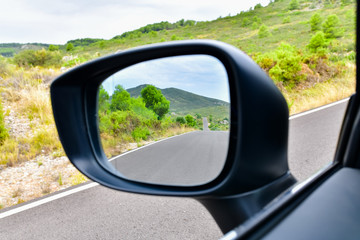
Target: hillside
x=10, y=49
x=240, y=30
x=310, y=67
x=183, y=102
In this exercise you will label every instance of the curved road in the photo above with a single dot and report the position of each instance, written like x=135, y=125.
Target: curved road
x=100, y=213
x=189, y=159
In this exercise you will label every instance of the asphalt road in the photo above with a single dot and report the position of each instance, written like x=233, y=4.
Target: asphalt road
x=100, y=213
x=313, y=139
x=205, y=124
x=190, y=159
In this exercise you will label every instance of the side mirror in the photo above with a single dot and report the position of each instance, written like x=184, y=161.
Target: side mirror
x=177, y=107
x=252, y=168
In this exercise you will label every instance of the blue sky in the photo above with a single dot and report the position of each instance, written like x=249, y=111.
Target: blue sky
x=56, y=22
x=200, y=74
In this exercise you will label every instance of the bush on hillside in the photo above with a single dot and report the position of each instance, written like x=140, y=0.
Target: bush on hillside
x=288, y=65
x=331, y=27
x=317, y=43
x=263, y=31
x=315, y=22
x=294, y=4
x=42, y=58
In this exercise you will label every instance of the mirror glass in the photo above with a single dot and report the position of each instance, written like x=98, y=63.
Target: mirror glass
x=166, y=121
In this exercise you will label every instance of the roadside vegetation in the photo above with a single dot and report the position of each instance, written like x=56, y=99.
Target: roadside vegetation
x=306, y=46
x=311, y=70
x=124, y=119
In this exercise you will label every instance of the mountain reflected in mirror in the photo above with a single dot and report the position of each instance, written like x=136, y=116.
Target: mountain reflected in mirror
x=166, y=121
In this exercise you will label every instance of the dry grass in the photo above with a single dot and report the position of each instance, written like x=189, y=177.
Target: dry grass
x=322, y=93
x=114, y=146
x=26, y=91
x=77, y=179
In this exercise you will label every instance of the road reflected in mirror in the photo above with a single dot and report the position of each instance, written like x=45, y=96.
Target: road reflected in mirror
x=166, y=121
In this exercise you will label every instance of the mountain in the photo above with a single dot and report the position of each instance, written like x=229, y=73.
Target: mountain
x=183, y=102
x=10, y=49
x=241, y=30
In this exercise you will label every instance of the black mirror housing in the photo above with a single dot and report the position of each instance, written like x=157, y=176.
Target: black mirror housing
x=257, y=155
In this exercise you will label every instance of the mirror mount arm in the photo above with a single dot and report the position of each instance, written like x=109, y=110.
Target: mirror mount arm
x=230, y=212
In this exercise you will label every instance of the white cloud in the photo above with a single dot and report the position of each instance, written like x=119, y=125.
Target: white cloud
x=59, y=21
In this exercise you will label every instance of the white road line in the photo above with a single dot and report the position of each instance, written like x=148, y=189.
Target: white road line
x=46, y=200
x=72, y=191
x=93, y=184
x=318, y=109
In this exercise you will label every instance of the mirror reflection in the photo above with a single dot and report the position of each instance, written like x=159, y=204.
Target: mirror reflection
x=166, y=121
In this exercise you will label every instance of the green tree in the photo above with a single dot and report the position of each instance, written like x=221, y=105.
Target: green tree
x=331, y=27
x=258, y=6
x=294, y=4
x=180, y=120
x=103, y=100
x=245, y=22
x=162, y=108
x=190, y=120
x=257, y=20
x=317, y=42
x=254, y=26
x=263, y=31
x=315, y=22
x=286, y=20
x=53, y=48
x=120, y=100
x=69, y=47
x=155, y=100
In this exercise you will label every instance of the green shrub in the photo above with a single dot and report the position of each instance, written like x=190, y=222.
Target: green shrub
x=137, y=105
x=288, y=65
x=263, y=31
x=123, y=122
x=43, y=58
x=74, y=61
x=266, y=61
x=258, y=6
x=331, y=27
x=315, y=22
x=140, y=133
x=53, y=48
x=294, y=4
x=317, y=42
x=180, y=120
x=257, y=20
x=245, y=22
x=120, y=99
x=69, y=47
x=190, y=120
x=286, y=20
x=254, y=26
